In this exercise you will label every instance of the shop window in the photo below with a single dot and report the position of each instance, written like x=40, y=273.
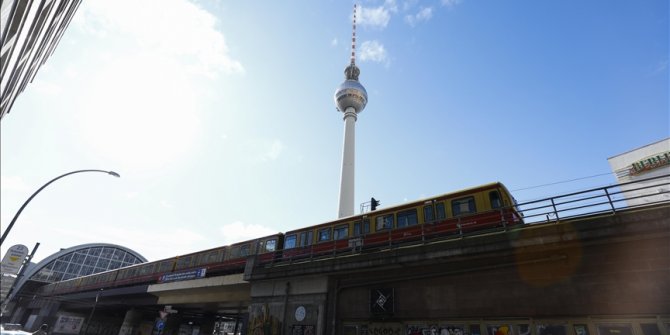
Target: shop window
x=614, y=329
x=650, y=329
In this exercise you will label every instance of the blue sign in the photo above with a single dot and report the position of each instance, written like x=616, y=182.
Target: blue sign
x=186, y=275
x=160, y=324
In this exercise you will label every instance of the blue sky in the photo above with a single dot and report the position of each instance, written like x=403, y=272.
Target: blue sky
x=219, y=115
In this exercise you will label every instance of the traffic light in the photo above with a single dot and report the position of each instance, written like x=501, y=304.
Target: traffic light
x=373, y=203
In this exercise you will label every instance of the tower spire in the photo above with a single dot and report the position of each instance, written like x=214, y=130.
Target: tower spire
x=353, y=39
x=352, y=71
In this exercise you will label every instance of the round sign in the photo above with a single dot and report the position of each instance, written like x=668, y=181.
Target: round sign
x=300, y=313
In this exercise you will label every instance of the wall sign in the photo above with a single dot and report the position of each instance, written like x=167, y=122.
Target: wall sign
x=381, y=301
x=300, y=313
x=650, y=163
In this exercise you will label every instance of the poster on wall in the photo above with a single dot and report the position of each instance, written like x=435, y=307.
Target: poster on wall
x=68, y=324
x=581, y=329
x=302, y=330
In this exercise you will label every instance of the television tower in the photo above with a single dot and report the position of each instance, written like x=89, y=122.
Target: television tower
x=350, y=99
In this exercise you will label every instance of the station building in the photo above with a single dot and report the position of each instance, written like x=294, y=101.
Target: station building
x=66, y=264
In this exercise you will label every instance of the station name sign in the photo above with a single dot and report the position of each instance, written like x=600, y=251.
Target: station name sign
x=650, y=163
x=185, y=275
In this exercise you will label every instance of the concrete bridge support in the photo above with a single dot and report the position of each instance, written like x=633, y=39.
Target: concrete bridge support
x=289, y=306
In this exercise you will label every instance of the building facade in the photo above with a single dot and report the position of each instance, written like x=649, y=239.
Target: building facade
x=29, y=32
x=646, y=166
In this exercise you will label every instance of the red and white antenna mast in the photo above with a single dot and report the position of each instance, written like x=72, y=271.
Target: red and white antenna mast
x=353, y=39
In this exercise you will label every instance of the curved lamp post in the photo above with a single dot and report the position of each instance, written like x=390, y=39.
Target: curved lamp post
x=11, y=224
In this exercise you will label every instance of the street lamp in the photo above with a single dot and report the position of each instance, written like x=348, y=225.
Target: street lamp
x=11, y=224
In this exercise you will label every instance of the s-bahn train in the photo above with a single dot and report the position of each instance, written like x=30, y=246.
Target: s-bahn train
x=470, y=210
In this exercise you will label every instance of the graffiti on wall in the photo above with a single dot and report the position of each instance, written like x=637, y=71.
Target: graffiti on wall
x=508, y=329
x=261, y=322
x=450, y=329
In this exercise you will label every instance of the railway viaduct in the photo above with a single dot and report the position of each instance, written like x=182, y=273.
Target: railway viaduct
x=604, y=274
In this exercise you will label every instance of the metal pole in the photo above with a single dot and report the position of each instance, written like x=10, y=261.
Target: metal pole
x=11, y=224
x=88, y=322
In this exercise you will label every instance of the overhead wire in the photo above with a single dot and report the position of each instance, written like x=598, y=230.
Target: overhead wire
x=562, y=182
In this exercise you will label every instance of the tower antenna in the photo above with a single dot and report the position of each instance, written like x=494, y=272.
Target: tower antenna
x=353, y=39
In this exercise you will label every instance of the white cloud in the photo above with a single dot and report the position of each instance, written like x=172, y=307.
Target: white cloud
x=174, y=28
x=374, y=17
x=451, y=3
x=333, y=42
x=239, y=231
x=373, y=51
x=423, y=15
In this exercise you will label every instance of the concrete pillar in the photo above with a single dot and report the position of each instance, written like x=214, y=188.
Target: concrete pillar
x=131, y=322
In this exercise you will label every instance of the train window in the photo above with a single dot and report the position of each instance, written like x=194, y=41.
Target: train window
x=463, y=206
x=306, y=238
x=341, y=232
x=147, y=269
x=384, y=222
x=494, y=197
x=183, y=262
x=210, y=257
x=165, y=266
x=441, y=212
x=271, y=245
x=428, y=213
x=289, y=241
x=244, y=250
x=324, y=234
x=361, y=227
x=407, y=218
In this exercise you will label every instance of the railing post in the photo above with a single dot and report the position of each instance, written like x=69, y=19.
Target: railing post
x=554, y=206
x=502, y=218
x=423, y=233
x=609, y=199
x=460, y=227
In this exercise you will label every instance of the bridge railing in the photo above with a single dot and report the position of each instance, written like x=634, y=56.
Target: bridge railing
x=607, y=199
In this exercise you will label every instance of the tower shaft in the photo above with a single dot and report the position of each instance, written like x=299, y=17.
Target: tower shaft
x=346, y=206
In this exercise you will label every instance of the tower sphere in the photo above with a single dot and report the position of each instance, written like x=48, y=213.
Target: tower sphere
x=351, y=94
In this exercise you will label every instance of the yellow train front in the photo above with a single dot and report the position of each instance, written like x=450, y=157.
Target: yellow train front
x=475, y=209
